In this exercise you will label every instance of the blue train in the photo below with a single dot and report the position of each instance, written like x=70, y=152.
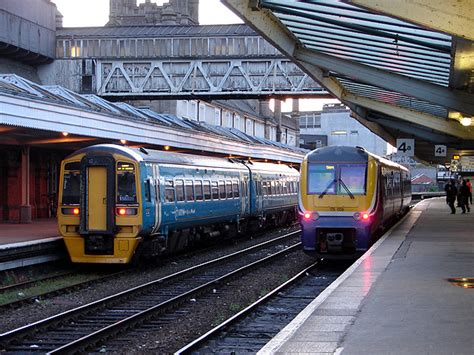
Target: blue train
x=118, y=203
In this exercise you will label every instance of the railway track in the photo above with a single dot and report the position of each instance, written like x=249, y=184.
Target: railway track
x=68, y=281
x=81, y=328
x=250, y=329
x=16, y=295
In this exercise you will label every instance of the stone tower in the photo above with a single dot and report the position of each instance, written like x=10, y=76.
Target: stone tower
x=174, y=12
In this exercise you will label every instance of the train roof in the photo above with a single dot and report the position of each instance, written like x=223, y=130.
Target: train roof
x=271, y=168
x=163, y=157
x=339, y=154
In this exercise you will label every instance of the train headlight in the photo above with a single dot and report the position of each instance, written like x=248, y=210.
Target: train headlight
x=308, y=216
x=71, y=211
x=361, y=216
x=124, y=211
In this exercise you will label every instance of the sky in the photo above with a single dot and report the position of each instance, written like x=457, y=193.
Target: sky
x=84, y=13
x=87, y=13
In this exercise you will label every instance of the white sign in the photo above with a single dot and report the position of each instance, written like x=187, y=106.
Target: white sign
x=406, y=147
x=467, y=163
x=440, y=150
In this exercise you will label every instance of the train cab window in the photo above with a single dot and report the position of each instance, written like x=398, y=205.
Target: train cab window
x=215, y=190
x=71, y=187
x=207, y=189
x=198, y=190
x=221, y=189
x=189, y=190
x=321, y=178
x=228, y=188
x=169, y=191
x=126, y=186
x=235, y=188
x=179, y=188
x=352, y=179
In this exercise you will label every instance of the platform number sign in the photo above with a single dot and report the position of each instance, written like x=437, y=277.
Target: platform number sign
x=406, y=147
x=440, y=150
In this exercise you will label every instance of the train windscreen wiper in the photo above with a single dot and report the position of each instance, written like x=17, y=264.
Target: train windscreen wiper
x=327, y=188
x=347, y=189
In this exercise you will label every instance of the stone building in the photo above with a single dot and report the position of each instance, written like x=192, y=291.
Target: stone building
x=175, y=12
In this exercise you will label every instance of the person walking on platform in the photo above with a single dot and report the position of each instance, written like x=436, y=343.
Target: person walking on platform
x=451, y=194
x=463, y=197
x=470, y=190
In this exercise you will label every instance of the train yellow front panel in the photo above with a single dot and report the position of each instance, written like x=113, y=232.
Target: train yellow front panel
x=97, y=198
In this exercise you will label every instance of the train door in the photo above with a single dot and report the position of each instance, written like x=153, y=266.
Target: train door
x=156, y=197
x=258, y=192
x=244, y=196
x=97, y=196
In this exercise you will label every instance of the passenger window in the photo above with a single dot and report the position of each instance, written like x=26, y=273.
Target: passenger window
x=179, y=188
x=221, y=189
x=169, y=191
x=189, y=190
x=273, y=188
x=147, y=191
x=198, y=190
x=215, y=190
x=207, y=189
x=228, y=188
x=235, y=188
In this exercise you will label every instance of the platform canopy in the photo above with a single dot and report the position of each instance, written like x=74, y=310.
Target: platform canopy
x=405, y=68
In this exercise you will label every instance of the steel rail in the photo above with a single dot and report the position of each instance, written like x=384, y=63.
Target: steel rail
x=21, y=332
x=219, y=328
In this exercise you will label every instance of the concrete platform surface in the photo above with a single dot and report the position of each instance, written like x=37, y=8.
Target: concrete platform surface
x=397, y=298
x=11, y=234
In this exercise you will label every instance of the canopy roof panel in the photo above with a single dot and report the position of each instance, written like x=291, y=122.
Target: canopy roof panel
x=400, y=77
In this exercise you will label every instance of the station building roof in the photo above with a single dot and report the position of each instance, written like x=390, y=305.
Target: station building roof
x=406, y=69
x=58, y=109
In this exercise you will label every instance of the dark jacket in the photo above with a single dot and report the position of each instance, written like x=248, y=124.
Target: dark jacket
x=451, y=192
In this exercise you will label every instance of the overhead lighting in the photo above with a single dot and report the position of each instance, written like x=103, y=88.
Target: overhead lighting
x=123, y=141
x=65, y=134
x=167, y=147
x=466, y=121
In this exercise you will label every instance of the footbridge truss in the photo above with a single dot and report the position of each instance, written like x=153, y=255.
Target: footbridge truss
x=212, y=61
x=214, y=78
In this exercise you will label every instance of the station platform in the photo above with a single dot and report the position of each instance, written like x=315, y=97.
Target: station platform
x=398, y=298
x=29, y=244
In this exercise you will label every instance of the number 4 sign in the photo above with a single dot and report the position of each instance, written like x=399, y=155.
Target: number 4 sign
x=406, y=147
x=440, y=150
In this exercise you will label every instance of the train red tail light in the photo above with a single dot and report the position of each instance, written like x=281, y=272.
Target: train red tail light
x=307, y=216
x=71, y=211
x=365, y=216
x=124, y=211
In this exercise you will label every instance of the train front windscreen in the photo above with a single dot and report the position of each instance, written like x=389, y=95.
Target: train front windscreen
x=337, y=179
